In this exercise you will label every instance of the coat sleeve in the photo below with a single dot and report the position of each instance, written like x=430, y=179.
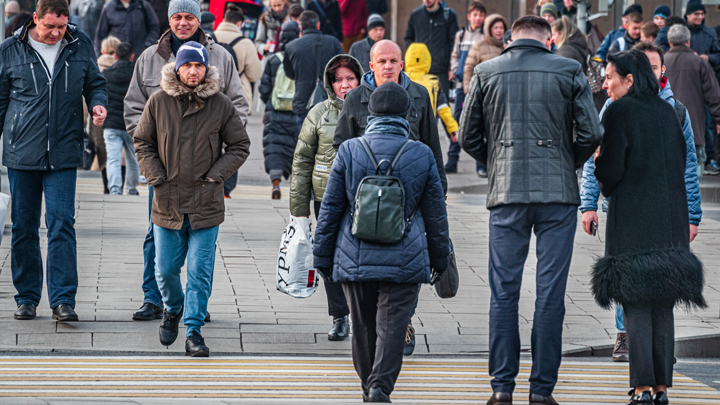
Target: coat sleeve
x=605, y=46
x=136, y=96
x=4, y=89
x=233, y=85
x=267, y=81
x=287, y=64
x=153, y=29
x=610, y=165
x=146, y=147
x=434, y=213
x=445, y=114
x=430, y=136
x=101, y=32
x=347, y=122
x=587, y=128
x=471, y=134
x=410, y=30
x=473, y=58
x=252, y=68
x=453, y=29
x=614, y=48
x=714, y=51
x=692, y=186
x=589, y=190
x=94, y=86
x=710, y=88
x=302, y=167
x=455, y=55
x=334, y=205
x=237, y=147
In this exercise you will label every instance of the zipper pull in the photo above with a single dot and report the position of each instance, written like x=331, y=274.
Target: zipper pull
x=380, y=193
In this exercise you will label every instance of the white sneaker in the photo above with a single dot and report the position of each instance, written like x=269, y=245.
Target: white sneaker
x=142, y=180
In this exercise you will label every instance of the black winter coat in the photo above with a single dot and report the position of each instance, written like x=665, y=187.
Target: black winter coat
x=642, y=168
x=423, y=125
x=530, y=116
x=118, y=77
x=280, y=133
x=300, y=64
x=360, y=50
x=704, y=41
x=435, y=31
x=137, y=25
x=42, y=117
x=331, y=23
x=575, y=48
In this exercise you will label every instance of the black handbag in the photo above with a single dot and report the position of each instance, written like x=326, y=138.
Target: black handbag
x=447, y=287
x=319, y=94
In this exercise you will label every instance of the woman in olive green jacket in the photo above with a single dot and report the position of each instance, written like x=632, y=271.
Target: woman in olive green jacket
x=314, y=155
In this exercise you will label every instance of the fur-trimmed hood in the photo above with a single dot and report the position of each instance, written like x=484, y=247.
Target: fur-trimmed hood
x=174, y=88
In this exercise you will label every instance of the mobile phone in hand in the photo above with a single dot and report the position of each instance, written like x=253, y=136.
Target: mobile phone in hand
x=593, y=228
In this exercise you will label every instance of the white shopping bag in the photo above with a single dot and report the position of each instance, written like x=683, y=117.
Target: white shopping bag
x=4, y=200
x=295, y=273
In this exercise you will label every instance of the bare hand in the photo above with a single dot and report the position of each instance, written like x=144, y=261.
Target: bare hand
x=597, y=153
x=693, y=232
x=587, y=218
x=99, y=113
x=454, y=136
x=718, y=129
x=451, y=75
x=267, y=47
x=705, y=57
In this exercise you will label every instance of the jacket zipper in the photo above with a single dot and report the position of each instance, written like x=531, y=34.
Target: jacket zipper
x=32, y=71
x=12, y=129
x=67, y=67
x=377, y=211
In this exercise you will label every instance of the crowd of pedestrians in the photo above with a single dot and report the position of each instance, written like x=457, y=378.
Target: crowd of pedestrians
x=161, y=91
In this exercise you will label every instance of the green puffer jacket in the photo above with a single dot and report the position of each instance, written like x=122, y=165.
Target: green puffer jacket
x=314, y=153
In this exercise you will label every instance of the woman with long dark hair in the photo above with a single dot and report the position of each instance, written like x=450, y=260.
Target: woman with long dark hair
x=648, y=266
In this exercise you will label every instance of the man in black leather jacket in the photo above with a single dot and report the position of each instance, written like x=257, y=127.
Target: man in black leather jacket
x=520, y=116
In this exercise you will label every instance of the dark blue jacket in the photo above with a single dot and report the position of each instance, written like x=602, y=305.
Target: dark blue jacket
x=424, y=246
x=611, y=37
x=704, y=41
x=42, y=117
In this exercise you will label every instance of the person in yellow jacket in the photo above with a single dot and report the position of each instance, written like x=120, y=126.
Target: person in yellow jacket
x=417, y=66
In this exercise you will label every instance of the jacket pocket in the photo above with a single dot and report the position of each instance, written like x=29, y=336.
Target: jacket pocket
x=161, y=199
x=212, y=194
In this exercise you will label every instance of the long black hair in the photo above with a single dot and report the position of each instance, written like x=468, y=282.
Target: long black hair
x=636, y=63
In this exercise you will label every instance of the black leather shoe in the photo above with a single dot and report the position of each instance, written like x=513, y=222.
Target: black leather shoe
x=643, y=398
x=148, y=312
x=169, y=327
x=207, y=317
x=409, y=341
x=377, y=395
x=339, y=329
x=195, y=346
x=64, y=313
x=660, y=398
x=25, y=312
x=500, y=398
x=541, y=400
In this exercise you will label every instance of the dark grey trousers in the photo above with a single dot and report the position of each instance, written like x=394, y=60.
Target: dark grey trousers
x=651, y=341
x=337, y=304
x=380, y=312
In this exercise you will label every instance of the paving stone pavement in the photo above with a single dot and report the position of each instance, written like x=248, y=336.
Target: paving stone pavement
x=250, y=316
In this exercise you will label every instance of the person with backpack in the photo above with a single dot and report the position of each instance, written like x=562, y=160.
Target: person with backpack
x=314, y=155
x=590, y=190
x=131, y=21
x=280, y=131
x=381, y=263
x=630, y=37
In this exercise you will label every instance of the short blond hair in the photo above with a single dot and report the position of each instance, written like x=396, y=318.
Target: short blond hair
x=108, y=45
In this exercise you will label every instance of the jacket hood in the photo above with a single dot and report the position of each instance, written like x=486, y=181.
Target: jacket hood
x=329, y=80
x=578, y=40
x=174, y=88
x=666, y=92
x=418, y=58
x=489, y=21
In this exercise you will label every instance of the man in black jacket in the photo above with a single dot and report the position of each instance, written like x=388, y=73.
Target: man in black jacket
x=131, y=21
x=386, y=65
x=46, y=69
x=328, y=12
x=305, y=60
x=527, y=144
x=118, y=78
x=435, y=24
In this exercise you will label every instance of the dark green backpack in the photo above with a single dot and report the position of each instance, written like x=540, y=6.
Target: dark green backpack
x=380, y=203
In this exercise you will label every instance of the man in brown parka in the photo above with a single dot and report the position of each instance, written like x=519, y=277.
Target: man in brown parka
x=179, y=142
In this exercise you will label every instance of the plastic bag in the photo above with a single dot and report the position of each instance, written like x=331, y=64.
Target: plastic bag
x=295, y=275
x=4, y=199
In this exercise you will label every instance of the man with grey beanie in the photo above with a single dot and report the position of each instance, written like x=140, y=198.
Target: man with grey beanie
x=360, y=50
x=185, y=18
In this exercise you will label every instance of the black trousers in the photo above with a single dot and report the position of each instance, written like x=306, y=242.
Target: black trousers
x=380, y=312
x=651, y=341
x=337, y=304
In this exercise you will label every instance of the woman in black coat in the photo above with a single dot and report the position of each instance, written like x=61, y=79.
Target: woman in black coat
x=648, y=266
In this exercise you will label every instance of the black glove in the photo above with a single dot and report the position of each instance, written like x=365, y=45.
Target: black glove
x=436, y=275
x=325, y=272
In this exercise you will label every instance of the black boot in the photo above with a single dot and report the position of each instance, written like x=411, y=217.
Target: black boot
x=643, y=398
x=207, y=317
x=377, y=395
x=148, y=312
x=500, y=398
x=660, y=398
x=339, y=329
x=25, y=312
x=541, y=400
x=64, y=313
x=169, y=327
x=195, y=346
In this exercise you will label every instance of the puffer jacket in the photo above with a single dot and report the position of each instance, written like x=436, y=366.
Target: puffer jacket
x=314, y=153
x=179, y=145
x=483, y=51
x=42, y=117
x=424, y=246
x=611, y=37
x=464, y=40
x=118, y=78
x=148, y=75
x=532, y=144
x=704, y=41
x=590, y=191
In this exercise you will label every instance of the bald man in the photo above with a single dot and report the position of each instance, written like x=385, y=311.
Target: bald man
x=386, y=65
x=12, y=8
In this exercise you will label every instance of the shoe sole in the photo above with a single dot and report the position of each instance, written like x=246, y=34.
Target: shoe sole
x=201, y=353
x=65, y=319
x=620, y=360
x=336, y=338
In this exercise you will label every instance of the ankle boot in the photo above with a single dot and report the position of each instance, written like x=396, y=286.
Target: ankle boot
x=644, y=398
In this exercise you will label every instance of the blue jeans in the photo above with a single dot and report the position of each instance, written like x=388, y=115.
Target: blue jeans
x=619, y=318
x=510, y=231
x=454, y=151
x=150, y=287
x=709, y=132
x=115, y=141
x=27, y=188
x=172, y=247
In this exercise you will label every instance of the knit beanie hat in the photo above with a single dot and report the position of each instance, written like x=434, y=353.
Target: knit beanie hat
x=185, y=6
x=208, y=21
x=374, y=21
x=390, y=99
x=549, y=8
x=693, y=6
x=191, y=52
x=662, y=11
x=635, y=8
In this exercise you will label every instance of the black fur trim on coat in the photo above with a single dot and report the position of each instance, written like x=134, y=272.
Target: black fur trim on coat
x=663, y=276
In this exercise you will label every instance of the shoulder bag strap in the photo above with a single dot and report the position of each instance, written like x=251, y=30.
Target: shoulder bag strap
x=318, y=51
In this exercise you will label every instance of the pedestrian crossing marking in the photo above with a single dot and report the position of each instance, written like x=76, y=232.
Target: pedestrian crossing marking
x=322, y=379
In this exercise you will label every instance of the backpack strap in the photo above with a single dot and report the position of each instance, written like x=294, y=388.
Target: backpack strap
x=318, y=61
x=680, y=111
x=235, y=41
x=369, y=153
x=397, y=156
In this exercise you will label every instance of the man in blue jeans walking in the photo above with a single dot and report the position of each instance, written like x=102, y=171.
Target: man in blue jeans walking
x=46, y=69
x=179, y=142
